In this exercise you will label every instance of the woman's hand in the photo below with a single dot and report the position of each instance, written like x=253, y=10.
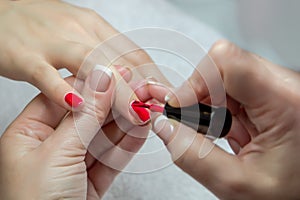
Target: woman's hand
x=264, y=100
x=40, y=37
x=43, y=153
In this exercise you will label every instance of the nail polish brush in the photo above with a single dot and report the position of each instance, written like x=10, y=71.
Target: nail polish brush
x=205, y=119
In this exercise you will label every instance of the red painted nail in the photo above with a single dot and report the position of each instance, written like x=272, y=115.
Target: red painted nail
x=73, y=100
x=141, y=112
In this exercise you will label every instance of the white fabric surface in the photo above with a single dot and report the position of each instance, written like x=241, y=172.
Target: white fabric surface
x=168, y=183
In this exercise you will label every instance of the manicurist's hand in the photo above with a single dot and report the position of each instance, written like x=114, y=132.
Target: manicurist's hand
x=43, y=153
x=40, y=37
x=264, y=100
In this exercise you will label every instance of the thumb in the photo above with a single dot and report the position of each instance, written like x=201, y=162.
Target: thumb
x=243, y=75
x=81, y=127
x=220, y=172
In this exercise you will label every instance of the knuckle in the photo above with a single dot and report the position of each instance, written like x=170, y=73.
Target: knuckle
x=71, y=144
x=224, y=50
x=27, y=127
x=140, y=57
x=90, y=13
x=38, y=71
x=236, y=186
x=80, y=51
x=186, y=157
x=99, y=111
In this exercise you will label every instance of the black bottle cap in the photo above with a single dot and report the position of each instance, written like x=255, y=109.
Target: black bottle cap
x=207, y=120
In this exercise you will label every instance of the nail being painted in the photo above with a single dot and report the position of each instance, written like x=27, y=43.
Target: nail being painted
x=202, y=118
x=142, y=112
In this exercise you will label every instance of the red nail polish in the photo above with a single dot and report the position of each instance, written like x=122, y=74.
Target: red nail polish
x=142, y=113
x=73, y=100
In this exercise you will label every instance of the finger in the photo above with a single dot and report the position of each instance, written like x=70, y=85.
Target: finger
x=128, y=72
x=204, y=84
x=91, y=20
x=111, y=134
x=125, y=72
x=149, y=89
x=103, y=176
x=70, y=55
x=106, y=138
x=198, y=156
x=42, y=110
x=238, y=136
x=81, y=127
x=241, y=71
x=115, y=159
x=125, y=52
x=135, y=57
x=48, y=80
x=145, y=89
x=37, y=122
x=124, y=95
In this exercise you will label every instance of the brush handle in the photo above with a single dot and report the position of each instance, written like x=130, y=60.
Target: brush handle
x=207, y=120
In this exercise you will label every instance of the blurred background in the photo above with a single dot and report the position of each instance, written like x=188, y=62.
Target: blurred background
x=266, y=27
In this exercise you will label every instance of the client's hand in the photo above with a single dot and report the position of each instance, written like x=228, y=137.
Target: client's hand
x=264, y=99
x=43, y=153
x=39, y=37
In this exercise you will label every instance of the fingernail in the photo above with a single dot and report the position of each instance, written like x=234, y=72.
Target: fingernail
x=163, y=127
x=125, y=72
x=100, y=78
x=168, y=97
x=234, y=145
x=142, y=114
x=151, y=82
x=73, y=100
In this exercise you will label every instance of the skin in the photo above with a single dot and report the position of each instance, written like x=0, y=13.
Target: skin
x=49, y=35
x=43, y=157
x=43, y=143
x=261, y=95
x=264, y=99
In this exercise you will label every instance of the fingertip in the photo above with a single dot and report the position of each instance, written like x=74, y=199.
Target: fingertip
x=158, y=90
x=171, y=100
x=51, y=84
x=73, y=101
x=163, y=128
x=141, y=115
